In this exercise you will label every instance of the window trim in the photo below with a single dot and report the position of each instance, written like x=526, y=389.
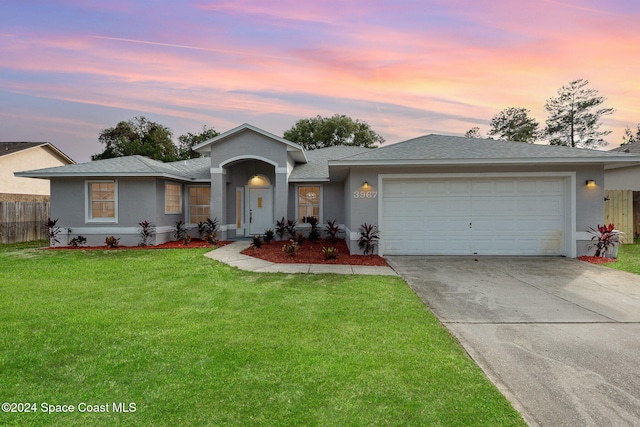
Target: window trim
x=320, y=203
x=166, y=184
x=189, y=187
x=88, y=205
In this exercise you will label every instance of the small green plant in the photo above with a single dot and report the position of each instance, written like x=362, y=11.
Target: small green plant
x=145, y=232
x=111, y=242
x=180, y=231
x=186, y=239
x=314, y=234
x=268, y=235
x=368, y=238
x=257, y=242
x=332, y=231
x=290, y=248
x=281, y=228
x=78, y=241
x=290, y=227
x=53, y=230
x=330, y=252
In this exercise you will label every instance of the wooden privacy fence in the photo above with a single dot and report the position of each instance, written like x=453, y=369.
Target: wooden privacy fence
x=22, y=219
x=619, y=211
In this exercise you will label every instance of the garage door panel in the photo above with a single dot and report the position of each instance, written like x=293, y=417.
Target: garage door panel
x=492, y=216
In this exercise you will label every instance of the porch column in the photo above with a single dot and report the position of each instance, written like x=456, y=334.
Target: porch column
x=281, y=194
x=218, y=201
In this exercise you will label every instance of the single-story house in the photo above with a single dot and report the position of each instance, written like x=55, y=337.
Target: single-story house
x=433, y=195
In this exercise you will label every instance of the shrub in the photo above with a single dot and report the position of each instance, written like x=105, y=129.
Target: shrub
x=53, y=230
x=257, y=242
x=281, y=228
x=208, y=230
x=111, y=242
x=332, y=231
x=78, y=241
x=330, y=252
x=146, y=232
x=604, y=238
x=290, y=227
x=314, y=235
x=368, y=238
x=268, y=235
x=180, y=231
x=300, y=239
x=290, y=248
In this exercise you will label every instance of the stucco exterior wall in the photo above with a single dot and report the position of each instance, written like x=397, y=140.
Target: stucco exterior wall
x=29, y=159
x=622, y=179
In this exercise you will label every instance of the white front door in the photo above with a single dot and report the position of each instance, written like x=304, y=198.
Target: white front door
x=260, y=210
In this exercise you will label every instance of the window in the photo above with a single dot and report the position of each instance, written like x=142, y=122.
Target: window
x=172, y=198
x=102, y=201
x=308, y=203
x=199, y=204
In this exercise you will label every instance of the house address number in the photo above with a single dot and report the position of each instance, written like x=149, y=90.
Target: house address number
x=365, y=194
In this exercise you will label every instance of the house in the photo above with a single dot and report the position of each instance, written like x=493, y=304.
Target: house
x=18, y=156
x=434, y=195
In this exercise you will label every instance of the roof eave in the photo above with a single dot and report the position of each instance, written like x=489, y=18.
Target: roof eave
x=45, y=175
x=513, y=161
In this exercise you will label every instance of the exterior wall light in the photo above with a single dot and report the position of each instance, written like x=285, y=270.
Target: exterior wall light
x=365, y=184
x=591, y=183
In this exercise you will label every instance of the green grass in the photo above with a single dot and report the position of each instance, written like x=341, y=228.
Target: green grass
x=193, y=342
x=628, y=258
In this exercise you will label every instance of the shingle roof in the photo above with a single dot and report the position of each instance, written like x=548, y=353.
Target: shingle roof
x=633, y=148
x=193, y=169
x=452, y=149
x=317, y=166
x=7, y=148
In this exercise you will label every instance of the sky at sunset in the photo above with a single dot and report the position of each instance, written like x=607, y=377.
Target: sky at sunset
x=71, y=68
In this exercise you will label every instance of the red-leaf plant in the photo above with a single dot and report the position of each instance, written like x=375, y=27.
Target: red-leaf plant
x=604, y=238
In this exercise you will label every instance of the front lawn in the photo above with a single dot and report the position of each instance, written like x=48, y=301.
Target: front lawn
x=176, y=339
x=628, y=258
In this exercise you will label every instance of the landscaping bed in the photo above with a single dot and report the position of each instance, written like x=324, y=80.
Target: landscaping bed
x=311, y=253
x=176, y=244
x=597, y=259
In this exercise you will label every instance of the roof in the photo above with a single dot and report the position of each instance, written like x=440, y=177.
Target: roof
x=317, y=166
x=633, y=148
x=7, y=148
x=442, y=149
x=186, y=170
x=296, y=151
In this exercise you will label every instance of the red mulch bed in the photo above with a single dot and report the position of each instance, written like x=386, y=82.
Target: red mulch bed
x=311, y=253
x=597, y=259
x=177, y=244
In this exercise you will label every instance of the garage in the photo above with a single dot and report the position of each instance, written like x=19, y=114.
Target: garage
x=475, y=215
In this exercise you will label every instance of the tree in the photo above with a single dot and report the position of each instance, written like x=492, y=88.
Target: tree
x=574, y=116
x=137, y=136
x=514, y=124
x=320, y=132
x=629, y=137
x=189, y=140
x=474, y=132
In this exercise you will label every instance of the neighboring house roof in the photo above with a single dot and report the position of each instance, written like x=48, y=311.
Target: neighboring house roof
x=296, y=151
x=441, y=149
x=7, y=148
x=317, y=166
x=633, y=148
x=187, y=170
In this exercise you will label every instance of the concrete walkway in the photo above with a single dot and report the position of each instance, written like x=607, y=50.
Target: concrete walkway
x=230, y=254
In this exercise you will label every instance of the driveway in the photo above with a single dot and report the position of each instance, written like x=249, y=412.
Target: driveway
x=559, y=337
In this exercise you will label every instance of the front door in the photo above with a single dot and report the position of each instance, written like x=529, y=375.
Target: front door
x=260, y=210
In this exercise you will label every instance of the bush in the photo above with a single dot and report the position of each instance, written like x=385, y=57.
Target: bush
x=368, y=238
x=281, y=228
x=53, y=230
x=314, y=235
x=180, y=231
x=208, y=230
x=332, y=231
x=146, y=232
x=257, y=242
x=290, y=227
x=268, y=235
x=290, y=248
x=330, y=252
x=78, y=241
x=111, y=242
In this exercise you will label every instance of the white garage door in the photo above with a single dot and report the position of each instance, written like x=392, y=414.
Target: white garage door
x=469, y=216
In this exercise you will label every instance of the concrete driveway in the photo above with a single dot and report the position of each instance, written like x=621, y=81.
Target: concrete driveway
x=559, y=337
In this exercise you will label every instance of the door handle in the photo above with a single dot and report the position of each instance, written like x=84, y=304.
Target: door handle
x=250, y=216
x=470, y=225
